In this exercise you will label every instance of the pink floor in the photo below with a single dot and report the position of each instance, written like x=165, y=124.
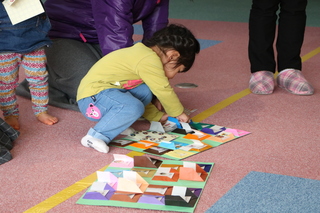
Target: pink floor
x=285, y=135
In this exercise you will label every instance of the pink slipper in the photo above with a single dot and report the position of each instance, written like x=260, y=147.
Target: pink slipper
x=261, y=83
x=294, y=82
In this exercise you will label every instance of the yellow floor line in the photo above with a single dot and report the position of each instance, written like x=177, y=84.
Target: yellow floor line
x=77, y=187
x=310, y=54
x=207, y=113
x=226, y=102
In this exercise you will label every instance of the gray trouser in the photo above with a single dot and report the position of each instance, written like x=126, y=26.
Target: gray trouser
x=68, y=61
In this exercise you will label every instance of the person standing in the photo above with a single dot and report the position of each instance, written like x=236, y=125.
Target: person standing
x=290, y=35
x=22, y=45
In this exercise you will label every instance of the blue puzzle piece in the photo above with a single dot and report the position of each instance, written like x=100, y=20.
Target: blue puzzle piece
x=176, y=121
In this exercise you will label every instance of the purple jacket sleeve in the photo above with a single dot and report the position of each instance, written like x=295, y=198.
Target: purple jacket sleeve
x=114, y=20
x=156, y=21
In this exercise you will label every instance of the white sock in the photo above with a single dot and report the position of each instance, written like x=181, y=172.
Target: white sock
x=128, y=131
x=95, y=143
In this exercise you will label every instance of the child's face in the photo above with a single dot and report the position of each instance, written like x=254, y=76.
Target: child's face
x=169, y=61
x=170, y=70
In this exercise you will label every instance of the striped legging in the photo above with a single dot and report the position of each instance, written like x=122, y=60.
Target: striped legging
x=34, y=65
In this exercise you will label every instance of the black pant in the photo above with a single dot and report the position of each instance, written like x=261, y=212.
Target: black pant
x=262, y=33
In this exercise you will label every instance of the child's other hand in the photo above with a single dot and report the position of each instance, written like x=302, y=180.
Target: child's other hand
x=183, y=118
x=157, y=103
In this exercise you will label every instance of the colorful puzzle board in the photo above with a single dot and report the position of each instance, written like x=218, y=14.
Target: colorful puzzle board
x=148, y=183
x=179, y=144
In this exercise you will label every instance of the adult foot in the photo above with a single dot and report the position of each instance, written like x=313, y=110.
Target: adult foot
x=294, y=82
x=261, y=82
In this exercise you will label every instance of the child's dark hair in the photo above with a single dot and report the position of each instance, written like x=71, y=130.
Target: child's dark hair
x=179, y=38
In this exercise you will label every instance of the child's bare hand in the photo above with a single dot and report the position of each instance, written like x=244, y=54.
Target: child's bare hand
x=183, y=118
x=164, y=118
x=157, y=103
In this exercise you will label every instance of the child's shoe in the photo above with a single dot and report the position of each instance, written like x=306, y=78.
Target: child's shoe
x=294, y=82
x=261, y=83
x=128, y=131
x=95, y=143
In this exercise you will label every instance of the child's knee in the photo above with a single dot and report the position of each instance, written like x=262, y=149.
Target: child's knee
x=136, y=109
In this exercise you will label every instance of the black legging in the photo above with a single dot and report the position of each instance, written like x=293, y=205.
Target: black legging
x=262, y=31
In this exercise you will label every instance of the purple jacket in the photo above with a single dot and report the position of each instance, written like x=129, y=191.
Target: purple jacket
x=107, y=22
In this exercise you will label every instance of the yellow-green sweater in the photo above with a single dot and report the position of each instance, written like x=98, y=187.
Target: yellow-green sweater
x=118, y=68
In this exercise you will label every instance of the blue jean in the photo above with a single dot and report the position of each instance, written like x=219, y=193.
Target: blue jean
x=115, y=110
x=25, y=36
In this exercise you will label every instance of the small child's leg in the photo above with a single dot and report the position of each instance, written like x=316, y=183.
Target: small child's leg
x=9, y=66
x=37, y=75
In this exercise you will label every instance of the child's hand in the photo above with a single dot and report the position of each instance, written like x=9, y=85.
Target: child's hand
x=157, y=103
x=183, y=118
x=164, y=118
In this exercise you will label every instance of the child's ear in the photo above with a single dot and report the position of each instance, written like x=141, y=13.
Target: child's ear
x=173, y=55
